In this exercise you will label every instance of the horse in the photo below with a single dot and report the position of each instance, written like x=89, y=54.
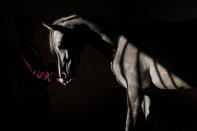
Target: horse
x=133, y=68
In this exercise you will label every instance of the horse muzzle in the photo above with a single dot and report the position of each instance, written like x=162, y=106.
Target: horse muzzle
x=64, y=82
x=65, y=79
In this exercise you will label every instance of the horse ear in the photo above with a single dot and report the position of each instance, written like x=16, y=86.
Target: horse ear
x=56, y=27
x=48, y=26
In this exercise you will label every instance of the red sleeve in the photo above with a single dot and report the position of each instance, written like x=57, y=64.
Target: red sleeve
x=38, y=73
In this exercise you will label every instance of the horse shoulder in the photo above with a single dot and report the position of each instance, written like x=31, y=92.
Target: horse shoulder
x=144, y=70
x=125, y=64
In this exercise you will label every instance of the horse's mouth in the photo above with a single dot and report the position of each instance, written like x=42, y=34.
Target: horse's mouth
x=64, y=82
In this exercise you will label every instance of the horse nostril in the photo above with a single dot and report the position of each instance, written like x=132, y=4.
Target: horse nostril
x=63, y=76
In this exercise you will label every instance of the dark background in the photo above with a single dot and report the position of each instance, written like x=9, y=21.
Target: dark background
x=95, y=101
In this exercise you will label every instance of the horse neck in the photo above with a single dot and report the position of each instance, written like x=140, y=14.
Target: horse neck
x=103, y=42
x=105, y=48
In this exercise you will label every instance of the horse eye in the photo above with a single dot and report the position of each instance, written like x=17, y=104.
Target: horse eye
x=60, y=45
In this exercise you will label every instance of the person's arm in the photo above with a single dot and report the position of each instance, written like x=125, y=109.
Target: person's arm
x=38, y=70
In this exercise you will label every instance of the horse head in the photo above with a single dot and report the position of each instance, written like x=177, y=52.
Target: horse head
x=69, y=37
x=68, y=45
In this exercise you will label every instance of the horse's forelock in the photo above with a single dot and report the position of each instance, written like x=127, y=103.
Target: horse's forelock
x=60, y=21
x=51, y=42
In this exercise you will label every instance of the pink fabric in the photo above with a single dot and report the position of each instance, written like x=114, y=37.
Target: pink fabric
x=45, y=75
